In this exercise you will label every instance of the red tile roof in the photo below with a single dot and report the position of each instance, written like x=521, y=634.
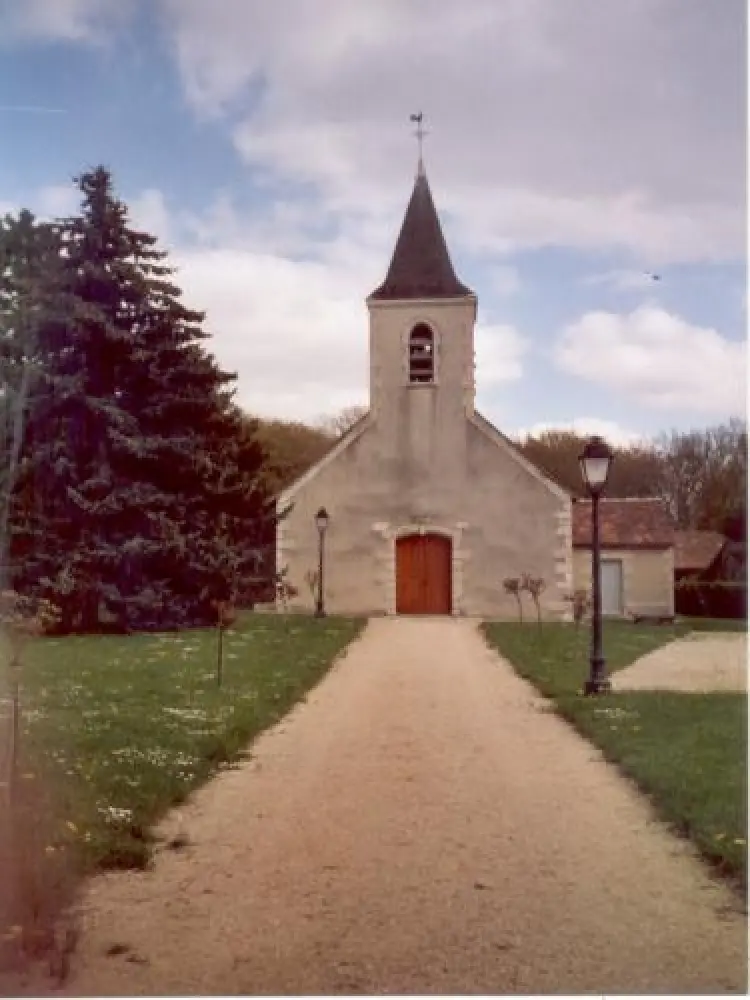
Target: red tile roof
x=696, y=550
x=625, y=524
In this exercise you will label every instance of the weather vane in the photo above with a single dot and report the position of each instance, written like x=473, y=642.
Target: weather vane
x=420, y=133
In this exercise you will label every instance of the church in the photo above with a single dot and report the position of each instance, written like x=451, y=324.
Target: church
x=430, y=507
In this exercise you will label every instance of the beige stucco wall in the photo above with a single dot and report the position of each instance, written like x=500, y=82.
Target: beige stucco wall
x=423, y=460
x=648, y=578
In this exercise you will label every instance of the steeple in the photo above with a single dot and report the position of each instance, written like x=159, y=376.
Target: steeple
x=421, y=267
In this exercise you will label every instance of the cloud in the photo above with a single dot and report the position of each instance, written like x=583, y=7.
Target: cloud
x=57, y=200
x=601, y=125
x=654, y=232
x=504, y=280
x=658, y=359
x=612, y=432
x=77, y=21
x=499, y=349
x=295, y=334
x=148, y=211
x=49, y=202
x=30, y=109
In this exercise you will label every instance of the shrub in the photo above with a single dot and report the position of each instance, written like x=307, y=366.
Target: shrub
x=534, y=585
x=512, y=585
x=581, y=601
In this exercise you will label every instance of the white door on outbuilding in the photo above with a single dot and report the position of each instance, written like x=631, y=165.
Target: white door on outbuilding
x=612, y=603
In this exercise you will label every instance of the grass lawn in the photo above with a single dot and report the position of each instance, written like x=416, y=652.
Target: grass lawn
x=714, y=624
x=122, y=728
x=688, y=752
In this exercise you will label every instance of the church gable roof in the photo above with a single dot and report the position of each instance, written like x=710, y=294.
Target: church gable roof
x=349, y=436
x=513, y=451
x=421, y=267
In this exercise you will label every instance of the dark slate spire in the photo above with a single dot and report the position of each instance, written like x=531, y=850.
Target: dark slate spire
x=421, y=267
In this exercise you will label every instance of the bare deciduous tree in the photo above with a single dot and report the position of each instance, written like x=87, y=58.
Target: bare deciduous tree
x=581, y=601
x=703, y=474
x=534, y=585
x=338, y=424
x=512, y=585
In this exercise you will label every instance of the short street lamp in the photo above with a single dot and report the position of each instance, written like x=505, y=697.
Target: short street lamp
x=595, y=461
x=321, y=523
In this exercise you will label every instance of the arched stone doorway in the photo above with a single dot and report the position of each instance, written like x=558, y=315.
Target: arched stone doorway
x=423, y=574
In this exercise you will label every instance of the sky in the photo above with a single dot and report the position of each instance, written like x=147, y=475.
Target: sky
x=575, y=150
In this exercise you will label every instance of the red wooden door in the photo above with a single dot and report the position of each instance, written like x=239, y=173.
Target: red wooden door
x=423, y=575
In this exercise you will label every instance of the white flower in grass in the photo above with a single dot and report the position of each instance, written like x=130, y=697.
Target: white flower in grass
x=616, y=713
x=114, y=814
x=195, y=714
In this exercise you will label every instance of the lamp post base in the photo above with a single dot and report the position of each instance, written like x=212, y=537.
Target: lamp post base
x=599, y=686
x=597, y=681
x=320, y=613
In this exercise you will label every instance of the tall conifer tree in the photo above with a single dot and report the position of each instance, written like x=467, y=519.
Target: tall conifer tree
x=149, y=495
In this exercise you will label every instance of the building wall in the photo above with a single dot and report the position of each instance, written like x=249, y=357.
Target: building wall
x=648, y=578
x=502, y=521
x=517, y=525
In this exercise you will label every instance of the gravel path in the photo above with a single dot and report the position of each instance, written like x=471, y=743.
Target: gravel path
x=421, y=825
x=702, y=661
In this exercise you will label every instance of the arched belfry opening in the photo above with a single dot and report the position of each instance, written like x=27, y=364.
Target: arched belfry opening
x=421, y=354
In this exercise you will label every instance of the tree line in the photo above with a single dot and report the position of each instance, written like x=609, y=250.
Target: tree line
x=701, y=474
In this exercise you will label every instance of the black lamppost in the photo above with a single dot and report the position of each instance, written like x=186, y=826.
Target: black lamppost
x=321, y=522
x=595, y=461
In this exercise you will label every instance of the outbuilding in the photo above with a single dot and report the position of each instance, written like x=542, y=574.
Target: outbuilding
x=637, y=538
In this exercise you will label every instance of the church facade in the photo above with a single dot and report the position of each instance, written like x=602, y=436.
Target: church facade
x=430, y=506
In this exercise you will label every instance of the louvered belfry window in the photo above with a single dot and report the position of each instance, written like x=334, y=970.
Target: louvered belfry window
x=421, y=354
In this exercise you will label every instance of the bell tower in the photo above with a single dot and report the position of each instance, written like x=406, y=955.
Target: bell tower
x=422, y=361
x=421, y=319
